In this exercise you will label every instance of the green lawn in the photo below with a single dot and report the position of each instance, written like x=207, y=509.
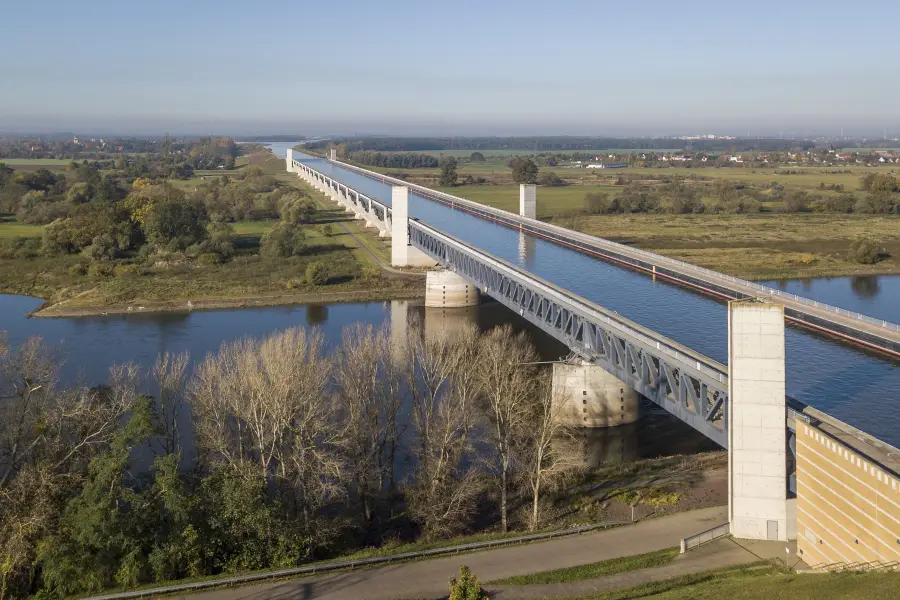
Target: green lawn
x=613, y=566
x=763, y=582
x=10, y=228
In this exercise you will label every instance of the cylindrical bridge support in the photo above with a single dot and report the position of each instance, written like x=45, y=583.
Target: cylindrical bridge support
x=446, y=289
x=593, y=397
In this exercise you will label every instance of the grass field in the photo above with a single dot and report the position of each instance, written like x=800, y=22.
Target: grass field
x=604, y=568
x=762, y=582
x=552, y=201
x=10, y=228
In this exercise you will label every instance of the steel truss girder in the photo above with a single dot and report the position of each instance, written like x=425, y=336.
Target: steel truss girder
x=686, y=384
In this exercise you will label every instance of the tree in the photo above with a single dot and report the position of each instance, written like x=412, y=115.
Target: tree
x=296, y=209
x=263, y=407
x=865, y=250
x=597, y=203
x=443, y=388
x=551, y=451
x=448, y=172
x=169, y=372
x=316, y=273
x=175, y=225
x=476, y=157
x=467, y=587
x=508, y=382
x=282, y=241
x=524, y=170
x=797, y=202
x=370, y=414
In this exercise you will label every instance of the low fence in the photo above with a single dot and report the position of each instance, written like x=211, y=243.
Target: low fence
x=343, y=565
x=704, y=537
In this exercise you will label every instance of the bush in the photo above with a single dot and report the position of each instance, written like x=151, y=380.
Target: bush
x=550, y=179
x=20, y=247
x=467, y=587
x=78, y=270
x=865, y=251
x=597, y=203
x=316, y=273
x=100, y=270
x=209, y=258
x=282, y=241
x=327, y=229
x=125, y=270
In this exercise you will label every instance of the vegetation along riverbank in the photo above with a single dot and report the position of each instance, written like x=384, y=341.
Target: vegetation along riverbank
x=167, y=231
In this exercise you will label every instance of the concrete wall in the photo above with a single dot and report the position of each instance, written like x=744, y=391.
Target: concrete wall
x=848, y=505
x=446, y=289
x=757, y=440
x=528, y=200
x=592, y=397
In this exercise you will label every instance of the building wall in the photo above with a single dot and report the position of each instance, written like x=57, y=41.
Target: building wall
x=848, y=507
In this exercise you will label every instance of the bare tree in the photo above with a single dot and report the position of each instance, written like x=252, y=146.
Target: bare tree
x=169, y=371
x=365, y=380
x=508, y=385
x=266, y=403
x=551, y=451
x=443, y=390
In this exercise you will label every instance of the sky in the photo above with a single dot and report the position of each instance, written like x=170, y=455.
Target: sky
x=485, y=67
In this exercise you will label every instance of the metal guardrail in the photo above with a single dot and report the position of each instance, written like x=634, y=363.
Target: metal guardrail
x=705, y=537
x=354, y=564
x=650, y=256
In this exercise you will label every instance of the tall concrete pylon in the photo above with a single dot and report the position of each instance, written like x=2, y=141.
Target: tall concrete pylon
x=402, y=254
x=528, y=200
x=593, y=397
x=758, y=507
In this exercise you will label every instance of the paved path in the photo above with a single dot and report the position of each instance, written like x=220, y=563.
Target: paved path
x=716, y=555
x=428, y=578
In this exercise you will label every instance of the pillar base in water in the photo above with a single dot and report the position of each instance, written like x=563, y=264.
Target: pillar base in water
x=446, y=289
x=593, y=397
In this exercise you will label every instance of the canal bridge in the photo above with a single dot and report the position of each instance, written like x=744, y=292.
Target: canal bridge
x=735, y=395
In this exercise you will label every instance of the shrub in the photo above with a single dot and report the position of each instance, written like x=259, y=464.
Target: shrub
x=100, y=270
x=209, y=258
x=282, y=241
x=78, y=270
x=316, y=273
x=467, y=587
x=865, y=251
x=125, y=270
x=597, y=203
x=550, y=179
x=327, y=229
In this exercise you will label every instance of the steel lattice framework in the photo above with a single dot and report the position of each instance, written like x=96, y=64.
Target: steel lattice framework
x=687, y=384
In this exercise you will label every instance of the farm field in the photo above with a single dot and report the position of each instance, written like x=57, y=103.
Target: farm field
x=552, y=201
x=24, y=162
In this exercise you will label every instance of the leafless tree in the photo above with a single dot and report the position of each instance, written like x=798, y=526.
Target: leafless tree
x=551, y=451
x=366, y=382
x=443, y=390
x=169, y=371
x=265, y=403
x=508, y=383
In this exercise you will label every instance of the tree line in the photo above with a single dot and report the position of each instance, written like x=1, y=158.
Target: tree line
x=301, y=454
x=393, y=160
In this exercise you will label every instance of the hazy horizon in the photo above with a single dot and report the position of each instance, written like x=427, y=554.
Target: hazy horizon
x=473, y=68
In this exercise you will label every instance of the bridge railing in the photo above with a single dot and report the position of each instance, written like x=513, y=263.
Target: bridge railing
x=649, y=256
x=705, y=537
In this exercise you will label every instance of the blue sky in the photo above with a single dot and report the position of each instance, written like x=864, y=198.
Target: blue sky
x=461, y=67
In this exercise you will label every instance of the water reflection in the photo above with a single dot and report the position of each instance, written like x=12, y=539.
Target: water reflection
x=865, y=286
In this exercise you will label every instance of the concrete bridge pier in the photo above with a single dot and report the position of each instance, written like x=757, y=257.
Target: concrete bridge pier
x=593, y=397
x=402, y=254
x=446, y=289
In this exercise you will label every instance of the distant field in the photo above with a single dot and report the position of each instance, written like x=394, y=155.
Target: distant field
x=10, y=228
x=806, y=177
x=551, y=200
x=24, y=162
